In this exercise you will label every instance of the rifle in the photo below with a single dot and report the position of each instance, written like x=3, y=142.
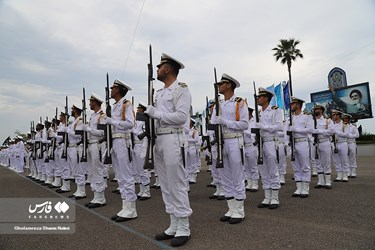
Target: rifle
x=206, y=138
x=40, y=142
x=107, y=127
x=218, y=128
x=53, y=140
x=65, y=134
x=132, y=134
x=334, y=140
x=291, y=139
x=32, y=127
x=149, y=122
x=47, y=145
x=81, y=132
x=315, y=138
x=256, y=131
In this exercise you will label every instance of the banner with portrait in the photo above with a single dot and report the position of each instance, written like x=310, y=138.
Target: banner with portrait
x=354, y=100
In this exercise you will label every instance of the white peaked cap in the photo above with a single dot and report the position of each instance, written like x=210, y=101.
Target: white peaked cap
x=96, y=97
x=168, y=59
x=118, y=83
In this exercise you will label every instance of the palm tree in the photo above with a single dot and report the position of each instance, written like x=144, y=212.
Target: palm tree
x=286, y=51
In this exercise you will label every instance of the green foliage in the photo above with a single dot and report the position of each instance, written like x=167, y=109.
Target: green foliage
x=366, y=138
x=286, y=51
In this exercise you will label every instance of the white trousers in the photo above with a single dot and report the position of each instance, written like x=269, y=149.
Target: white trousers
x=340, y=159
x=76, y=168
x=323, y=163
x=282, y=159
x=352, y=147
x=301, y=165
x=141, y=175
x=123, y=169
x=191, y=162
x=172, y=174
x=96, y=170
x=269, y=170
x=233, y=173
x=251, y=165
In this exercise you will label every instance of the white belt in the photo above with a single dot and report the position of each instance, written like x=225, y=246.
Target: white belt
x=232, y=135
x=121, y=136
x=138, y=142
x=268, y=139
x=72, y=145
x=249, y=145
x=93, y=141
x=323, y=140
x=164, y=131
x=301, y=139
x=281, y=141
x=350, y=141
x=341, y=141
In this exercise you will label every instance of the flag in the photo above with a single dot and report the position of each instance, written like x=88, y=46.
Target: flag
x=272, y=89
x=286, y=96
x=279, y=96
x=360, y=130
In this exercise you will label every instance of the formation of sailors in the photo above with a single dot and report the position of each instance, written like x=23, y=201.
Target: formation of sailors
x=55, y=154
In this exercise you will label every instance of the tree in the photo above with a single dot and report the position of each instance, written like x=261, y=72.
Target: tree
x=286, y=51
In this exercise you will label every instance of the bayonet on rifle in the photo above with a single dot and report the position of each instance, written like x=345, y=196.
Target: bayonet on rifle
x=256, y=131
x=107, y=127
x=149, y=122
x=81, y=132
x=315, y=138
x=219, y=128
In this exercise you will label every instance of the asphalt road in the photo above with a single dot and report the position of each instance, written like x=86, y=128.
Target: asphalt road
x=340, y=218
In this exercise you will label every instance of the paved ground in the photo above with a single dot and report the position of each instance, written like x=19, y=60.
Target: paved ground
x=341, y=218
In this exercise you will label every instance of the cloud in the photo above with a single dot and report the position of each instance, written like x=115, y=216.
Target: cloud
x=51, y=49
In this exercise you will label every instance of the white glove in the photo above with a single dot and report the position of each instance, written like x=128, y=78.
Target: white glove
x=316, y=131
x=153, y=112
x=292, y=129
x=111, y=121
x=86, y=127
x=221, y=120
x=70, y=131
x=260, y=125
x=341, y=134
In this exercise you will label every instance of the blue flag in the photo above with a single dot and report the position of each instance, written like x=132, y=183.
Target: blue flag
x=286, y=96
x=279, y=96
x=272, y=89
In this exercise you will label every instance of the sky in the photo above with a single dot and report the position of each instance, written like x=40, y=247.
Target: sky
x=52, y=49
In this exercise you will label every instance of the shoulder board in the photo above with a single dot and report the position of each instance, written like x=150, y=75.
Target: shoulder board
x=182, y=85
x=158, y=90
x=238, y=99
x=127, y=102
x=101, y=112
x=274, y=107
